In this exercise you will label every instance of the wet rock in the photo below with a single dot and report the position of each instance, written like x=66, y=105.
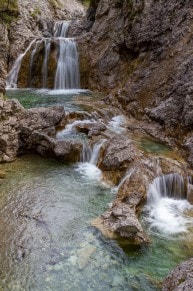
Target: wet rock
x=91, y=128
x=68, y=151
x=181, y=278
x=122, y=221
x=188, y=144
x=63, y=150
x=22, y=130
x=119, y=153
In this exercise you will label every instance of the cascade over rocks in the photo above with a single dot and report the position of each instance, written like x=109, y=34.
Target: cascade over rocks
x=34, y=19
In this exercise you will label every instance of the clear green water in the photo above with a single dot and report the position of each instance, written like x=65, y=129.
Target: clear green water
x=30, y=98
x=47, y=242
x=151, y=146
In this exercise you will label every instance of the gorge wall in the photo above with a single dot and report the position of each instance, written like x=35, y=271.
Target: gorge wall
x=141, y=51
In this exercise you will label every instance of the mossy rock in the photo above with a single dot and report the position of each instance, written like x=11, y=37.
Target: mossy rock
x=9, y=11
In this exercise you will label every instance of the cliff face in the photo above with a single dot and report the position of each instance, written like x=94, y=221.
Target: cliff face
x=26, y=20
x=142, y=52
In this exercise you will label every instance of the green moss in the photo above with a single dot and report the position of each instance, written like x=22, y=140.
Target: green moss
x=55, y=3
x=8, y=10
x=85, y=2
x=36, y=12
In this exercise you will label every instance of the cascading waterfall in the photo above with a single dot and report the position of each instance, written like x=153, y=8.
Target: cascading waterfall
x=12, y=77
x=89, y=159
x=47, y=45
x=167, y=186
x=91, y=155
x=166, y=206
x=67, y=70
x=67, y=73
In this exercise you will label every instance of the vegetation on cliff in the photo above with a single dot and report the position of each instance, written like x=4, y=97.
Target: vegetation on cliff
x=9, y=11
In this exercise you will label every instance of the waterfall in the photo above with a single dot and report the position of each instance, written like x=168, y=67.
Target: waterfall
x=126, y=177
x=89, y=159
x=61, y=29
x=67, y=72
x=171, y=186
x=47, y=45
x=91, y=155
x=165, y=212
x=86, y=153
x=13, y=74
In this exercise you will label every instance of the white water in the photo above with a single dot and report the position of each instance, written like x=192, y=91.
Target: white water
x=71, y=128
x=88, y=166
x=61, y=29
x=117, y=124
x=47, y=45
x=67, y=72
x=13, y=74
x=126, y=177
x=166, y=210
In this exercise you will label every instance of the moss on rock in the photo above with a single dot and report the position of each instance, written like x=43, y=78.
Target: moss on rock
x=9, y=11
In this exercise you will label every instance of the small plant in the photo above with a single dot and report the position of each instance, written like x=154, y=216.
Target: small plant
x=9, y=11
x=36, y=13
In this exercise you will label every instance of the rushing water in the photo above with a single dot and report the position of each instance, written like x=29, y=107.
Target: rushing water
x=67, y=72
x=47, y=241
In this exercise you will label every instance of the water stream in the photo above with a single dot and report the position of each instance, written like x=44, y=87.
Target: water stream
x=47, y=242
x=46, y=208
x=67, y=62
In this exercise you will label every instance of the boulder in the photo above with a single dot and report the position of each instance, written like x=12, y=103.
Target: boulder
x=91, y=128
x=121, y=220
x=119, y=153
x=181, y=278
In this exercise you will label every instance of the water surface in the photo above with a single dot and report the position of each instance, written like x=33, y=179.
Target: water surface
x=46, y=240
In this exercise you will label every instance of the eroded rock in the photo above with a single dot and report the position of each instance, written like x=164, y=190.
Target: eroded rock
x=33, y=129
x=181, y=278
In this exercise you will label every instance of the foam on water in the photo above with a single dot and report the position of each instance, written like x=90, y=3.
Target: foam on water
x=89, y=171
x=62, y=91
x=168, y=217
x=116, y=124
x=71, y=128
x=165, y=213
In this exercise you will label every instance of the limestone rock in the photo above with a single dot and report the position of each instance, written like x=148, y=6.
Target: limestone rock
x=122, y=220
x=91, y=128
x=181, y=278
x=119, y=153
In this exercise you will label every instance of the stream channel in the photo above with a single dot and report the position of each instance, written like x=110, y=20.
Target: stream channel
x=46, y=239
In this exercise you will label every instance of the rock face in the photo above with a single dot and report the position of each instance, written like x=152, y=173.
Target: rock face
x=4, y=47
x=181, y=278
x=142, y=51
x=33, y=129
